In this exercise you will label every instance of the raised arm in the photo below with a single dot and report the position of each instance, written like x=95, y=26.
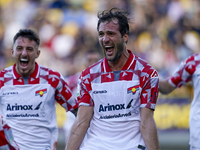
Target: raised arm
x=165, y=87
x=148, y=129
x=79, y=128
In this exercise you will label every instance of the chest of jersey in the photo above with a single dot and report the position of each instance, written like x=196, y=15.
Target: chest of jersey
x=119, y=100
x=27, y=101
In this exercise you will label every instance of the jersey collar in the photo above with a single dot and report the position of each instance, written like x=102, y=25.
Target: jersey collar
x=125, y=67
x=33, y=75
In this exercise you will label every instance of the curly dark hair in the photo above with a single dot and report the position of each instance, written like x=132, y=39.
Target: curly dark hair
x=27, y=33
x=115, y=13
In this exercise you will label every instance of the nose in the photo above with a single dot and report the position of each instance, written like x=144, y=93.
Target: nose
x=105, y=39
x=24, y=52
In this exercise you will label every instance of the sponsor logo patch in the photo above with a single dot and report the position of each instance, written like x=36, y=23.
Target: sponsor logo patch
x=17, y=107
x=41, y=92
x=132, y=89
x=114, y=107
x=10, y=93
x=100, y=92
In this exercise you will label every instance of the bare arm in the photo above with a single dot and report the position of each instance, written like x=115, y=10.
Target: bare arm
x=79, y=128
x=165, y=87
x=148, y=129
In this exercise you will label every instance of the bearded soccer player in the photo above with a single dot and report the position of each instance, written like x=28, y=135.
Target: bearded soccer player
x=28, y=92
x=118, y=94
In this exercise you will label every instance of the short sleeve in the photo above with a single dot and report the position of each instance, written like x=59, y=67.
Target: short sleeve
x=150, y=90
x=184, y=72
x=84, y=86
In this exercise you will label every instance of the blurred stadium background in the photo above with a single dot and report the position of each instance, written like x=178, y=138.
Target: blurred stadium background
x=163, y=32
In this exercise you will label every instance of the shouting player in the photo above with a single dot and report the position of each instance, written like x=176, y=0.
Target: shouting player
x=118, y=94
x=28, y=92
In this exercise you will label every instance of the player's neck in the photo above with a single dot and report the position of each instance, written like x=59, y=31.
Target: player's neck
x=119, y=64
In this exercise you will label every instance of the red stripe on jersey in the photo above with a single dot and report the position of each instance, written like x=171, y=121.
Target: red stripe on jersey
x=127, y=77
x=66, y=93
x=2, y=74
x=15, y=72
x=53, y=81
x=86, y=99
x=144, y=97
x=87, y=71
x=69, y=107
x=106, y=66
x=134, y=63
x=44, y=77
x=44, y=68
x=6, y=127
x=18, y=81
x=102, y=67
x=1, y=84
x=144, y=63
x=190, y=58
x=61, y=101
x=190, y=69
x=7, y=79
x=51, y=72
x=34, y=74
x=94, y=76
x=154, y=74
x=128, y=63
x=3, y=140
x=35, y=81
x=108, y=77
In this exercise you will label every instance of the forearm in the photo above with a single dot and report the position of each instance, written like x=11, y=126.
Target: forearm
x=148, y=129
x=165, y=87
x=79, y=128
x=150, y=135
x=77, y=135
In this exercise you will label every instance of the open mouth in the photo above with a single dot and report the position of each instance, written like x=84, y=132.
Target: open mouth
x=109, y=50
x=24, y=62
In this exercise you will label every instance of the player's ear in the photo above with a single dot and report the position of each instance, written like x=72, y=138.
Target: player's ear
x=12, y=51
x=38, y=53
x=125, y=37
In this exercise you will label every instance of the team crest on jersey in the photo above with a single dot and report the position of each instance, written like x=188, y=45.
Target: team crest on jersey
x=133, y=89
x=41, y=92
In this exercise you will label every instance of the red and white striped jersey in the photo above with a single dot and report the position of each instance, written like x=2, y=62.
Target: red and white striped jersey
x=189, y=70
x=28, y=105
x=117, y=97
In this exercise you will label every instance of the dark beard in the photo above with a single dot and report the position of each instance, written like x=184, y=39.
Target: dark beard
x=120, y=48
